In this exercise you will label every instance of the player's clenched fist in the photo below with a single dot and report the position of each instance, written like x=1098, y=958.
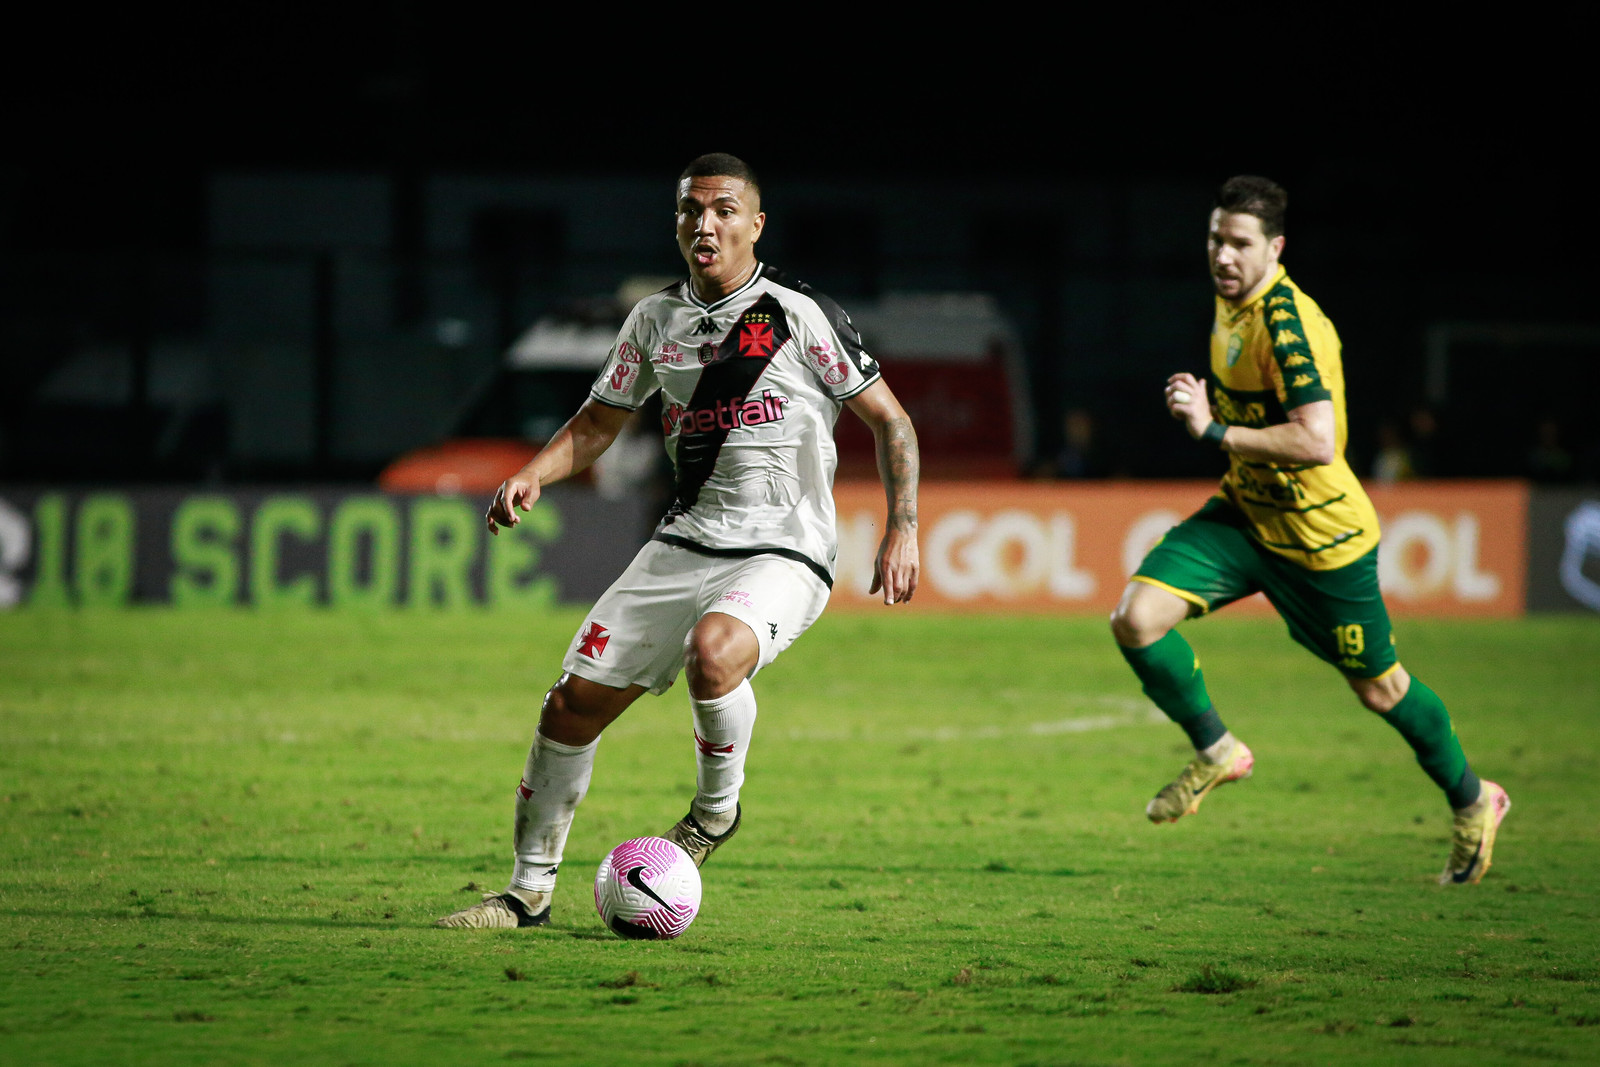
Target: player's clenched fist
x=1187, y=401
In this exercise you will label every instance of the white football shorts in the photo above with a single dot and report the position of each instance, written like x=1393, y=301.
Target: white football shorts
x=636, y=632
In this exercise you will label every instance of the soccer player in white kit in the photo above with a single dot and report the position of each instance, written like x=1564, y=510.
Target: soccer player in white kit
x=753, y=368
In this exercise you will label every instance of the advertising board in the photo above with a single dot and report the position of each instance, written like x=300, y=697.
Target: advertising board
x=1564, y=551
x=307, y=546
x=1453, y=548
x=1449, y=548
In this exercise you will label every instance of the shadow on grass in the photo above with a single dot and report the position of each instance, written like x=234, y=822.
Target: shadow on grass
x=222, y=920
x=985, y=867
x=307, y=922
x=576, y=931
x=475, y=863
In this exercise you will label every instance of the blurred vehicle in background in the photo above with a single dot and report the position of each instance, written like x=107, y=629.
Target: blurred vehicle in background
x=956, y=365
x=544, y=377
x=952, y=359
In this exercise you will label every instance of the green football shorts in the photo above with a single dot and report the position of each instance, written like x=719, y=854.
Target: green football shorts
x=1210, y=559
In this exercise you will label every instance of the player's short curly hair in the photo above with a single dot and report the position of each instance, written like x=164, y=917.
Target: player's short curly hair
x=1249, y=194
x=721, y=165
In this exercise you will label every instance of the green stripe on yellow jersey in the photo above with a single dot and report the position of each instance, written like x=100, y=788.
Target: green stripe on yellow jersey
x=1270, y=356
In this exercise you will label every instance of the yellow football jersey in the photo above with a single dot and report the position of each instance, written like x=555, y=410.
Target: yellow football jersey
x=1268, y=357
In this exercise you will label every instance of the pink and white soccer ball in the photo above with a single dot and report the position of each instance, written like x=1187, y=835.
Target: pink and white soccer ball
x=647, y=889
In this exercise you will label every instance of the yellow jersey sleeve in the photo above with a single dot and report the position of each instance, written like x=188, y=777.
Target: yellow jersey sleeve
x=1297, y=372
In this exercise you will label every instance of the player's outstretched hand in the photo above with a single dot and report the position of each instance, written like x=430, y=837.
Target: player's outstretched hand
x=1187, y=401
x=896, y=569
x=517, y=492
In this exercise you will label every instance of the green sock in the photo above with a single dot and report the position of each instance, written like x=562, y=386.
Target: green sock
x=1423, y=721
x=1171, y=677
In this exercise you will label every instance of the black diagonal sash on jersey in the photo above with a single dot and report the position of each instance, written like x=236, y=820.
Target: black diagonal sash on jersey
x=740, y=360
x=843, y=328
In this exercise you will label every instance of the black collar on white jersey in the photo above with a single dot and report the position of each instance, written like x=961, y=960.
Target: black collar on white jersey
x=755, y=276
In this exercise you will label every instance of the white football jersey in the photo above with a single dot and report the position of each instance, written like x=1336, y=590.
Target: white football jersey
x=751, y=386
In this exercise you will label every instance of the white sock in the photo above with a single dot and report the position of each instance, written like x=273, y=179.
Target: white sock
x=722, y=729
x=1220, y=749
x=553, y=784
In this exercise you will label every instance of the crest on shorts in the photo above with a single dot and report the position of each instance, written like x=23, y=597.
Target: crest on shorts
x=592, y=642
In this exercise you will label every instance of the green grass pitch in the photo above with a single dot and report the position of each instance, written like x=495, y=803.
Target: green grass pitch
x=224, y=837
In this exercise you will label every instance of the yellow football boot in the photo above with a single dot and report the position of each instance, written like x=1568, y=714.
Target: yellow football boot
x=1472, y=842
x=1184, y=795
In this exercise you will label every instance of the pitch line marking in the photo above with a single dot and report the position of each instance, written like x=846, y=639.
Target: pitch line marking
x=1135, y=713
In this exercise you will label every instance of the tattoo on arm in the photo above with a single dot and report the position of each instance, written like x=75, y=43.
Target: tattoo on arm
x=900, y=465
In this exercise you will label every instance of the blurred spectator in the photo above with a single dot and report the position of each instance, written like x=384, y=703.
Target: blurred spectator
x=1423, y=445
x=1548, y=460
x=1080, y=454
x=1393, y=460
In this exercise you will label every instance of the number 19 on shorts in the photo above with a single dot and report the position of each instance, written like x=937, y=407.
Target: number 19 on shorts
x=1350, y=639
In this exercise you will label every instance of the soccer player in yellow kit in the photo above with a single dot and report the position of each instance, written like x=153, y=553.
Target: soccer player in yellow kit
x=1291, y=521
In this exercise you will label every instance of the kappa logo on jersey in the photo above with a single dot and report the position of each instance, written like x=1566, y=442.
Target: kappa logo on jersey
x=724, y=414
x=755, y=337
x=706, y=326
x=592, y=642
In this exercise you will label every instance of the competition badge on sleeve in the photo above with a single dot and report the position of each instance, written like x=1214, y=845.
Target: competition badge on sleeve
x=626, y=371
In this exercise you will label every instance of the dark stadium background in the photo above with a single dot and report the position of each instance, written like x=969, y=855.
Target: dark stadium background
x=1433, y=173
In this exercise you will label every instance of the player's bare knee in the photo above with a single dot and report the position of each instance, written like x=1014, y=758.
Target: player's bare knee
x=568, y=717
x=1372, y=699
x=709, y=671
x=575, y=710
x=1380, y=695
x=717, y=657
x=559, y=703
x=1124, y=630
x=1135, y=625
